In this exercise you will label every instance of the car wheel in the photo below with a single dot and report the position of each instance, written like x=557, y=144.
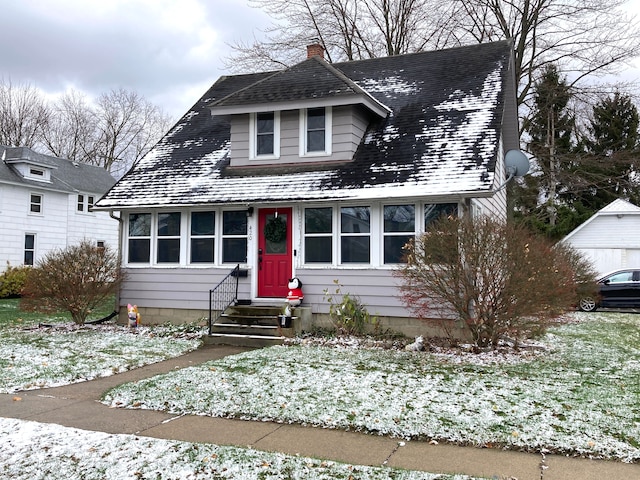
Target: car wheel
x=587, y=304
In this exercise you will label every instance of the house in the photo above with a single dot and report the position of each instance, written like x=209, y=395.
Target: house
x=610, y=238
x=320, y=171
x=46, y=203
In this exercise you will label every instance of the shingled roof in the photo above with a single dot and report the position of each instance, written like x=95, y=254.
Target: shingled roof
x=66, y=176
x=440, y=137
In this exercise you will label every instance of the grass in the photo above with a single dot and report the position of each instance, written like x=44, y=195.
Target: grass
x=12, y=316
x=581, y=396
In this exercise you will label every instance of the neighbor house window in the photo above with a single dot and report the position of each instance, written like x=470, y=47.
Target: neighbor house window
x=399, y=229
x=29, y=248
x=85, y=203
x=203, y=227
x=318, y=235
x=355, y=234
x=139, y=237
x=35, y=203
x=168, y=237
x=234, y=236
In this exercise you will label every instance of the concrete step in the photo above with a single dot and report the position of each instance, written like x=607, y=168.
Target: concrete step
x=245, y=329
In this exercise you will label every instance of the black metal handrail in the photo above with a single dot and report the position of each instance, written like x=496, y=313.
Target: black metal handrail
x=223, y=295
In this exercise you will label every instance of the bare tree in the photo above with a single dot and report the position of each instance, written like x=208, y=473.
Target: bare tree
x=128, y=126
x=72, y=133
x=23, y=114
x=582, y=37
x=348, y=29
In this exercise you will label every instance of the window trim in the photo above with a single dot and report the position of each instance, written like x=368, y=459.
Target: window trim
x=191, y=236
x=32, y=250
x=159, y=237
x=39, y=204
x=328, y=133
x=253, y=136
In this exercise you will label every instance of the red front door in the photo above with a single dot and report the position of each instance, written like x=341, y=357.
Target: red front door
x=274, y=252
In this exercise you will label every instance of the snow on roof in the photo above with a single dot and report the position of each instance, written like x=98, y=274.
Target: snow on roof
x=441, y=137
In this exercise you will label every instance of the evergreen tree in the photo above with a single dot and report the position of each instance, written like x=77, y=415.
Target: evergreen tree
x=550, y=129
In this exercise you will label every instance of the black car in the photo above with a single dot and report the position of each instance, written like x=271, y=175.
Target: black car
x=618, y=289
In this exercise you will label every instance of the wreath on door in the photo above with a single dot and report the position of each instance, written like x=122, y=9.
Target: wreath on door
x=275, y=230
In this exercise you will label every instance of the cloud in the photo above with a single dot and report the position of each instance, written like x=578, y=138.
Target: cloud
x=170, y=51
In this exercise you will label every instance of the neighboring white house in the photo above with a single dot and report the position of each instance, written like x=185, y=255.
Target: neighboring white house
x=610, y=238
x=47, y=203
x=320, y=171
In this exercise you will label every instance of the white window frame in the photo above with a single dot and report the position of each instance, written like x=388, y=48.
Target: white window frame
x=32, y=203
x=155, y=233
x=213, y=236
x=384, y=234
x=328, y=134
x=253, y=137
x=32, y=250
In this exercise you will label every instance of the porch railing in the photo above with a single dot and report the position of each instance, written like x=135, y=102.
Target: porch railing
x=223, y=295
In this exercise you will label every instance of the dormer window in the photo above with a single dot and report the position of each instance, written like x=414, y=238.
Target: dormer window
x=315, y=131
x=265, y=135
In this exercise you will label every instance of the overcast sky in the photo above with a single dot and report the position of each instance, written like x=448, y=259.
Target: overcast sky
x=170, y=51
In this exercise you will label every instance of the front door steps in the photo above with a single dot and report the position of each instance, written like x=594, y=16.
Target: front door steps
x=251, y=326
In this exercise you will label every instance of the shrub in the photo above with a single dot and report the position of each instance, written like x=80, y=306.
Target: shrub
x=497, y=279
x=76, y=279
x=12, y=281
x=347, y=313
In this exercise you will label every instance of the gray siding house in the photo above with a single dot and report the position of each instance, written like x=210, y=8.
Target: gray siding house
x=319, y=171
x=46, y=203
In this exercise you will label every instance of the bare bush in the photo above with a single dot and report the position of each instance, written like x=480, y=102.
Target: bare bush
x=497, y=279
x=76, y=279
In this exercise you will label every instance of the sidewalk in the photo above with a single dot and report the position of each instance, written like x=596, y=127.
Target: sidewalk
x=78, y=406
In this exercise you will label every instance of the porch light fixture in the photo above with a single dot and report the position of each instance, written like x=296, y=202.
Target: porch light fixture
x=249, y=211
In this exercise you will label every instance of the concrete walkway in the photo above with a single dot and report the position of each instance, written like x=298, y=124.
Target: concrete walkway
x=78, y=406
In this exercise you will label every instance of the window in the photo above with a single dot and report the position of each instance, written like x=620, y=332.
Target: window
x=85, y=203
x=315, y=131
x=266, y=134
x=318, y=235
x=168, y=237
x=399, y=229
x=139, y=237
x=234, y=236
x=203, y=227
x=433, y=211
x=355, y=240
x=35, y=205
x=36, y=173
x=29, y=248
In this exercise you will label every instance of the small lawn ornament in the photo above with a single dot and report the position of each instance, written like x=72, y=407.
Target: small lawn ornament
x=133, y=316
x=416, y=346
x=295, y=295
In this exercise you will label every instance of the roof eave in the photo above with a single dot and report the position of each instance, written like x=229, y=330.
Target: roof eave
x=341, y=100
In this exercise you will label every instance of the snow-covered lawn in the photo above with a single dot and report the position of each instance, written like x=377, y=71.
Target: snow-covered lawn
x=63, y=353
x=580, y=396
x=56, y=452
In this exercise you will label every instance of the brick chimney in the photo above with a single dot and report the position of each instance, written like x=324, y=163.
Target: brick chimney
x=315, y=49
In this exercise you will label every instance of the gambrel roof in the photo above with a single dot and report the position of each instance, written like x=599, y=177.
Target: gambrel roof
x=437, y=121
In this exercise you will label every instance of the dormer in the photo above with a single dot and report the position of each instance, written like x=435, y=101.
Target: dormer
x=308, y=113
x=29, y=165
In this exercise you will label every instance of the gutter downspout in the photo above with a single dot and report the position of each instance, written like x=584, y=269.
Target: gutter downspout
x=120, y=236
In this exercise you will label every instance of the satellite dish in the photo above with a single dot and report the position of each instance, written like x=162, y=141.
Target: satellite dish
x=516, y=163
